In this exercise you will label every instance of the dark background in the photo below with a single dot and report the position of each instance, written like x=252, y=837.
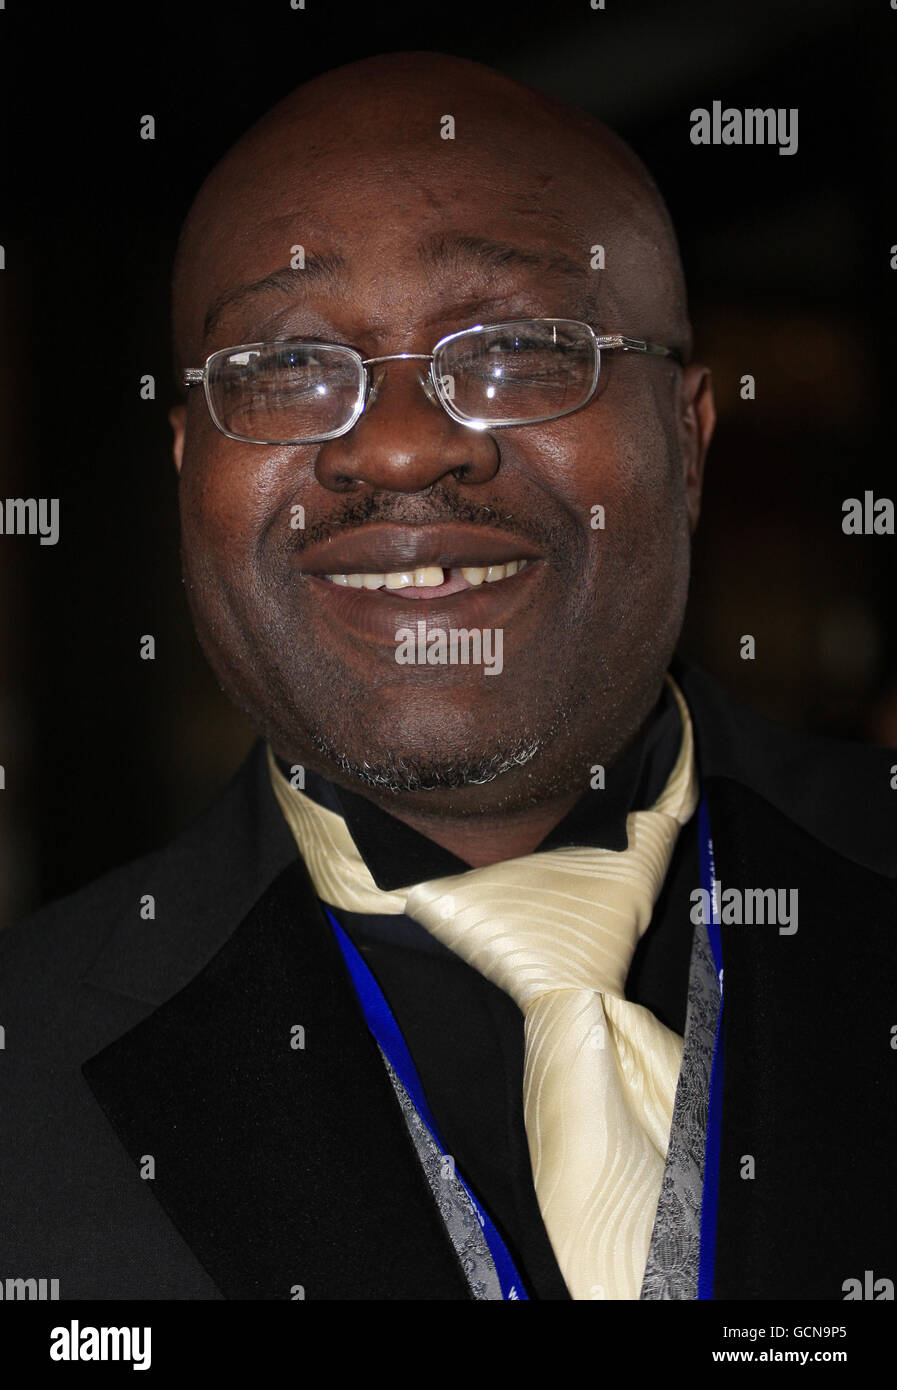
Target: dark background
x=787, y=259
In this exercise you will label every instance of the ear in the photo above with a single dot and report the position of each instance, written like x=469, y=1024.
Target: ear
x=177, y=417
x=696, y=425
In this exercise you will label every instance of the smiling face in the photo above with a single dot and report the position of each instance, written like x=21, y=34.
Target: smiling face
x=409, y=237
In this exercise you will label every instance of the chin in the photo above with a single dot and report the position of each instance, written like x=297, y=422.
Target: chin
x=430, y=744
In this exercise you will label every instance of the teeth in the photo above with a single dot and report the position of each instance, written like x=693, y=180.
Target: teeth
x=427, y=576
x=424, y=577
x=476, y=574
x=501, y=571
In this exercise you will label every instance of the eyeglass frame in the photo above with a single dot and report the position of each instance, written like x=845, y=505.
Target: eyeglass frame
x=196, y=376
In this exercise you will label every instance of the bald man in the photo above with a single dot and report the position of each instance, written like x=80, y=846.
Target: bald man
x=516, y=961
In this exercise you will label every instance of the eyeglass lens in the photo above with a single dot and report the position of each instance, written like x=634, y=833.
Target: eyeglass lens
x=284, y=391
x=512, y=373
x=518, y=372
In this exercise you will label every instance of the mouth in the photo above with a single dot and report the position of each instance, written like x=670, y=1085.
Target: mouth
x=373, y=580
x=428, y=581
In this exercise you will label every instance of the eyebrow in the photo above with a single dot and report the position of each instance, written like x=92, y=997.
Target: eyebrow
x=318, y=268
x=450, y=251
x=440, y=251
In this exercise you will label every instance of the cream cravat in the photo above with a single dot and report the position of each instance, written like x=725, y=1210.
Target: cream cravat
x=557, y=931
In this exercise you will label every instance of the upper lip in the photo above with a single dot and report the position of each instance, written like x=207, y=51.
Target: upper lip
x=381, y=548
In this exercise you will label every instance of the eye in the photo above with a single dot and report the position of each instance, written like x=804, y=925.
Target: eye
x=522, y=341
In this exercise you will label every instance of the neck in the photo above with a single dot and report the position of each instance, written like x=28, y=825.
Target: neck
x=483, y=840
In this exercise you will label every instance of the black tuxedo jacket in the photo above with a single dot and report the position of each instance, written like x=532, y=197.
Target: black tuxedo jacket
x=163, y=1137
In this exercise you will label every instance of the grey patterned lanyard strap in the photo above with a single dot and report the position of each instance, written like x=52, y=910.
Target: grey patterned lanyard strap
x=460, y=1220
x=673, y=1257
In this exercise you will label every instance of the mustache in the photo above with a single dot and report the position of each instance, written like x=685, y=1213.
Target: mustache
x=437, y=507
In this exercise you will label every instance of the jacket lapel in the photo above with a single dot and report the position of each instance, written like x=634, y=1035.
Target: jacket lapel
x=801, y=1206
x=807, y=1014
x=277, y=1146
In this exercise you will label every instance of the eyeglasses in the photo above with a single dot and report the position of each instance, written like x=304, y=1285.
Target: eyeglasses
x=487, y=377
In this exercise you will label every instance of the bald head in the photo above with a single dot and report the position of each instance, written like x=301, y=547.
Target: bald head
x=359, y=154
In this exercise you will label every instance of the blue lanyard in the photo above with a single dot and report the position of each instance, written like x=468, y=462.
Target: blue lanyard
x=709, y=1200
x=379, y=1018
x=387, y=1034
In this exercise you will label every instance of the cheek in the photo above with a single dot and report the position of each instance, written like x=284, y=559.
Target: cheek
x=610, y=470
x=614, y=470
x=229, y=493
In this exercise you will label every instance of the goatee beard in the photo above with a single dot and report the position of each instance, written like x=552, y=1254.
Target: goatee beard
x=415, y=774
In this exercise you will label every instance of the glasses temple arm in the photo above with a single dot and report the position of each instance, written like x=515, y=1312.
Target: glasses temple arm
x=616, y=340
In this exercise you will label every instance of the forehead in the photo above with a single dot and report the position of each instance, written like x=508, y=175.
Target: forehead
x=392, y=218
x=373, y=203
x=500, y=166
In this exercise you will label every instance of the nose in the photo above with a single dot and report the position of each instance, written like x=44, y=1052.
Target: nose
x=404, y=441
